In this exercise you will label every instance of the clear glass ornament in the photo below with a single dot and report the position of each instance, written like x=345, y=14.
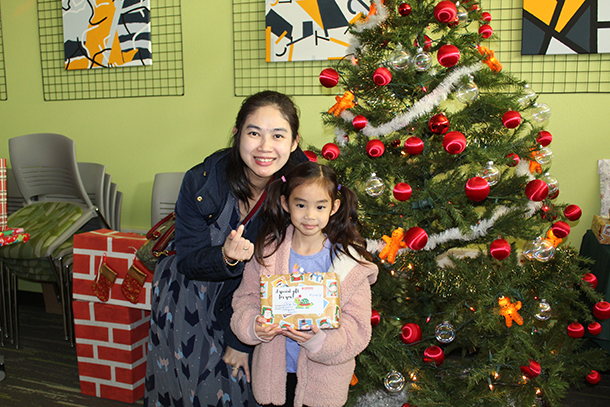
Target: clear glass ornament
x=531, y=247
x=545, y=252
x=422, y=61
x=462, y=15
x=544, y=156
x=541, y=112
x=444, y=332
x=490, y=173
x=467, y=92
x=528, y=96
x=552, y=183
x=394, y=381
x=399, y=59
x=374, y=186
x=544, y=310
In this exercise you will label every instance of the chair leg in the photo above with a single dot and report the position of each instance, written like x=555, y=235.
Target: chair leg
x=62, y=293
x=69, y=312
x=4, y=327
x=15, y=321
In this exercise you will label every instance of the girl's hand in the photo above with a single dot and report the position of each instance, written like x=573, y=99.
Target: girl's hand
x=236, y=359
x=266, y=333
x=236, y=247
x=300, y=336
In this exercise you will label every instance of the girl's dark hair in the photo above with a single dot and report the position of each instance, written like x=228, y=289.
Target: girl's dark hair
x=237, y=177
x=342, y=229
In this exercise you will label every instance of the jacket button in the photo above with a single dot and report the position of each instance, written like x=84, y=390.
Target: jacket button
x=199, y=198
x=205, y=173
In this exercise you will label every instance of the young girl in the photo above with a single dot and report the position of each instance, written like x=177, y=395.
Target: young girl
x=311, y=224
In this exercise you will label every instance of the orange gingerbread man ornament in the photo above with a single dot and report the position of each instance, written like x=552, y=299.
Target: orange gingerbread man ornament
x=343, y=102
x=393, y=244
x=509, y=311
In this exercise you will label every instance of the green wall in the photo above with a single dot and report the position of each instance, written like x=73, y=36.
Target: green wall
x=175, y=133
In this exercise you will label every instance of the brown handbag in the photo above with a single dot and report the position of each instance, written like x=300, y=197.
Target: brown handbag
x=157, y=240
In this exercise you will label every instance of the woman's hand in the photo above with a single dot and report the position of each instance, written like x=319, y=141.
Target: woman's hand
x=300, y=336
x=236, y=247
x=236, y=359
x=266, y=333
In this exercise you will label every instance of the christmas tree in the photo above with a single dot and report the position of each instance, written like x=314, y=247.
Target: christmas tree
x=478, y=302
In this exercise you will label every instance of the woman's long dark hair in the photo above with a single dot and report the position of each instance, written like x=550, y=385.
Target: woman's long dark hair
x=342, y=229
x=237, y=175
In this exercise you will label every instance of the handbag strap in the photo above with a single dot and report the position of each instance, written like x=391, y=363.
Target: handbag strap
x=154, y=232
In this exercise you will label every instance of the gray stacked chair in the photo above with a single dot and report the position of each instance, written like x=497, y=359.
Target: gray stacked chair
x=56, y=207
x=164, y=195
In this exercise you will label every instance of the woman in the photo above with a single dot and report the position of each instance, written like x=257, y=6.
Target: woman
x=193, y=357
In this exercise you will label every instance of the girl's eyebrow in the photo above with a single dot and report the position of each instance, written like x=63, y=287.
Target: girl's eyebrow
x=325, y=200
x=254, y=126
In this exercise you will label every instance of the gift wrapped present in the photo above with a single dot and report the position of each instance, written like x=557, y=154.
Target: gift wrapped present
x=12, y=237
x=603, y=169
x=301, y=300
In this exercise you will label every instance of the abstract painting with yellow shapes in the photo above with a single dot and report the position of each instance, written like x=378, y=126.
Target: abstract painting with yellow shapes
x=552, y=27
x=106, y=33
x=309, y=30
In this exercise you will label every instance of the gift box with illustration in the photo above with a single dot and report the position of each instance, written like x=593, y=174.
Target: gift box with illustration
x=105, y=269
x=601, y=229
x=301, y=300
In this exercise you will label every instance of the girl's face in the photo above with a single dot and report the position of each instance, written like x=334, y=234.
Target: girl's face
x=266, y=143
x=310, y=208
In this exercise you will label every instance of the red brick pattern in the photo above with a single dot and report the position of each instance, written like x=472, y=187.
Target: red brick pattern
x=120, y=249
x=111, y=350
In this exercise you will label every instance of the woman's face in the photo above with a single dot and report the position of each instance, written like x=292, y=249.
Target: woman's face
x=266, y=143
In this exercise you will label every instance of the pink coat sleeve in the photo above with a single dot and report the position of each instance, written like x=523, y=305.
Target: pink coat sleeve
x=354, y=334
x=247, y=304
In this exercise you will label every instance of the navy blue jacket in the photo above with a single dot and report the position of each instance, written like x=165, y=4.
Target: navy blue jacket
x=202, y=197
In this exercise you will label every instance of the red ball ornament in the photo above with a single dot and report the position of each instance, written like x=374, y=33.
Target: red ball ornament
x=445, y=11
x=576, y=330
x=499, y=249
x=427, y=43
x=591, y=279
x=544, y=138
x=515, y=159
x=594, y=328
x=601, y=310
x=375, y=317
x=448, y=55
x=572, y=212
x=359, y=122
x=511, y=119
x=329, y=78
x=439, y=124
x=382, y=76
x=330, y=151
x=414, y=145
x=402, y=191
x=593, y=377
x=411, y=333
x=416, y=238
x=434, y=354
x=532, y=370
x=486, y=17
x=375, y=148
x=454, y=142
x=536, y=190
x=485, y=30
x=404, y=9
x=561, y=229
x=477, y=189
x=311, y=156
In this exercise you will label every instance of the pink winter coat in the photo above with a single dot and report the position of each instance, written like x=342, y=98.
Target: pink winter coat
x=326, y=362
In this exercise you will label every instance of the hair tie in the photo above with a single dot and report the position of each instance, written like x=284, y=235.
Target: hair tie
x=339, y=187
x=283, y=179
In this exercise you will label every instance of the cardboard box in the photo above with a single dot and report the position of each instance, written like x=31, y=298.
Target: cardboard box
x=120, y=250
x=601, y=229
x=112, y=336
x=111, y=344
x=300, y=300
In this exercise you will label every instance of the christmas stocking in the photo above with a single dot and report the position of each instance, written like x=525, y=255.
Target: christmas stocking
x=104, y=281
x=133, y=283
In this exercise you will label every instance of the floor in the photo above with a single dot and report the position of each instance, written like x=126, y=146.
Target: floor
x=44, y=371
